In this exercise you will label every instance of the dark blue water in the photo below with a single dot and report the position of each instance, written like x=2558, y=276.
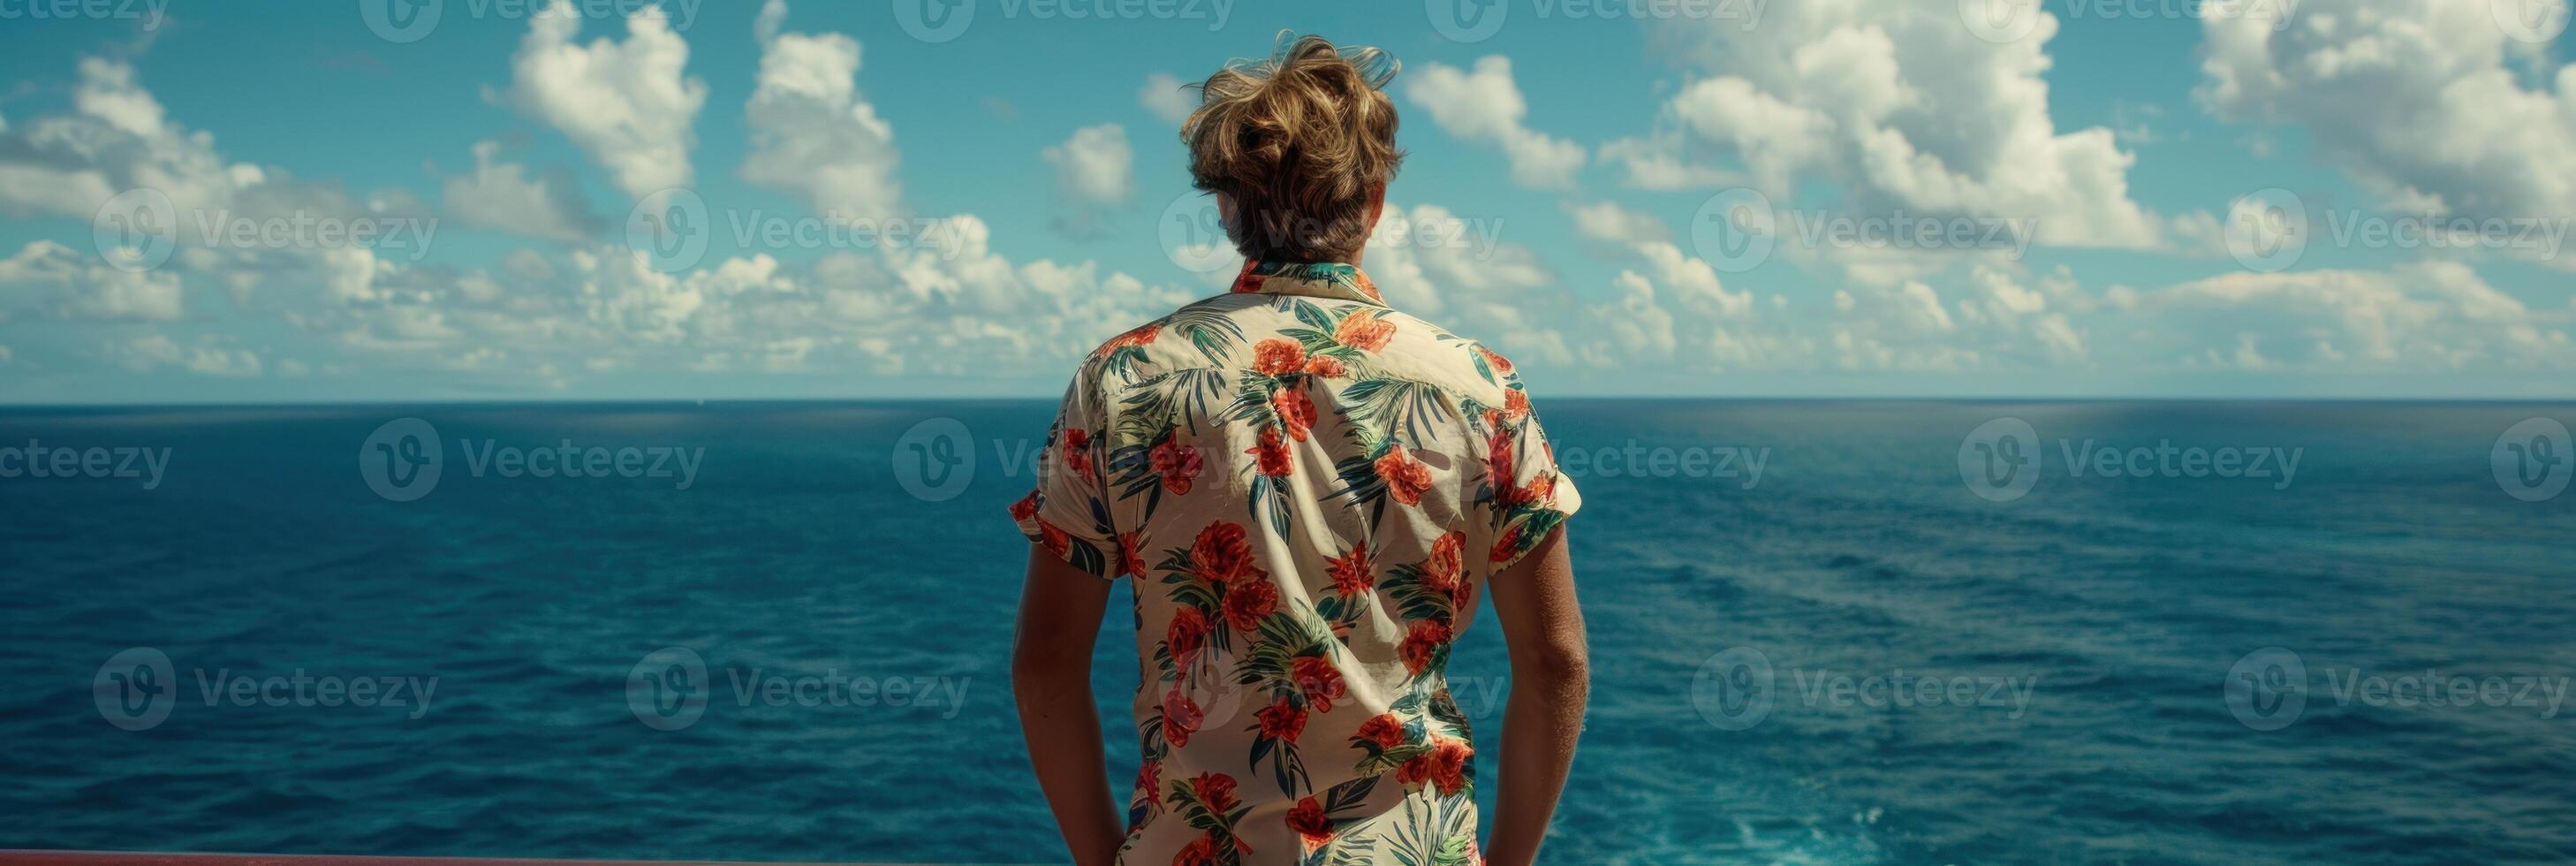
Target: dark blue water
x=1854, y=659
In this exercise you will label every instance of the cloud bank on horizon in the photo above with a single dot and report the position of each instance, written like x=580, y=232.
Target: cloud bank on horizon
x=633, y=200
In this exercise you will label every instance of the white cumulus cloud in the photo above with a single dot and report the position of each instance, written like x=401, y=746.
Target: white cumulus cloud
x=1167, y=97
x=2419, y=100
x=812, y=135
x=54, y=280
x=630, y=105
x=1900, y=105
x=505, y=196
x=1484, y=105
x=1095, y=166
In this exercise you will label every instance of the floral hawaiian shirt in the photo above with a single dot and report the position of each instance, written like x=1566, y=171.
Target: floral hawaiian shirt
x=1308, y=488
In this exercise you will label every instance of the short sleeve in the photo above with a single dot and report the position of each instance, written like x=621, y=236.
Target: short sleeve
x=1068, y=513
x=1525, y=496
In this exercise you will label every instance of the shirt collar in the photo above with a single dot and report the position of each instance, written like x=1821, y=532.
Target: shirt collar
x=1310, y=279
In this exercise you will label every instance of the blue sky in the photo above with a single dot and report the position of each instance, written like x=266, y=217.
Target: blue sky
x=2266, y=198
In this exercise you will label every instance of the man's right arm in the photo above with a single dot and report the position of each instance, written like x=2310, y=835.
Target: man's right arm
x=1060, y=610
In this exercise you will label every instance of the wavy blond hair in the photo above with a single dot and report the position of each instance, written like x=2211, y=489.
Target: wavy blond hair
x=1302, y=142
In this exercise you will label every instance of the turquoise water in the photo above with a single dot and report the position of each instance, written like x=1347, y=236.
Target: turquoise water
x=1851, y=658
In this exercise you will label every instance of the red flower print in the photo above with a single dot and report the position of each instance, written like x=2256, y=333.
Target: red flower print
x=1364, y=331
x=1201, y=852
x=1415, y=770
x=1515, y=403
x=1498, y=458
x=1220, y=553
x=1367, y=286
x=1385, y=730
x=1248, y=601
x=1325, y=365
x=1077, y=450
x=1216, y=791
x=1181, y=717
x=1318, y=681
x=1500, y=364
x=1054, y=539
x=1509, y=545
x=1443, y=765
x=1447, y=562
x=1142, y=335
x=1427, y=637
x=1177, y=463
x=1247, y=281
x=1282, y=721
x=1309, y=822
x=1188, y=633
x=1541, y=488
x=1296, y=411
x=1129, y=561
x=1352, y=573
x=1406, y=478
x=1271, y=454
x=1149, y=777
x=1026, y=508
x=1278, y=356
x=1449, y=764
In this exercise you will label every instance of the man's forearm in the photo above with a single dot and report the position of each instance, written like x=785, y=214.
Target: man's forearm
x=1063, y=732
x=1541, y=722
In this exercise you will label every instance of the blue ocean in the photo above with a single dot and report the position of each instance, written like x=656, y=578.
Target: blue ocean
x=1823, y=632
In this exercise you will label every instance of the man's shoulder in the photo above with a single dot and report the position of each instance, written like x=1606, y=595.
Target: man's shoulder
x=1223, y=332
x=1468, y=363
x=1195, y=334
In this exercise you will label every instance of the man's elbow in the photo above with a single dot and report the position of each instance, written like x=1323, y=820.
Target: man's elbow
x=1041, y=665
x=1560, y=665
